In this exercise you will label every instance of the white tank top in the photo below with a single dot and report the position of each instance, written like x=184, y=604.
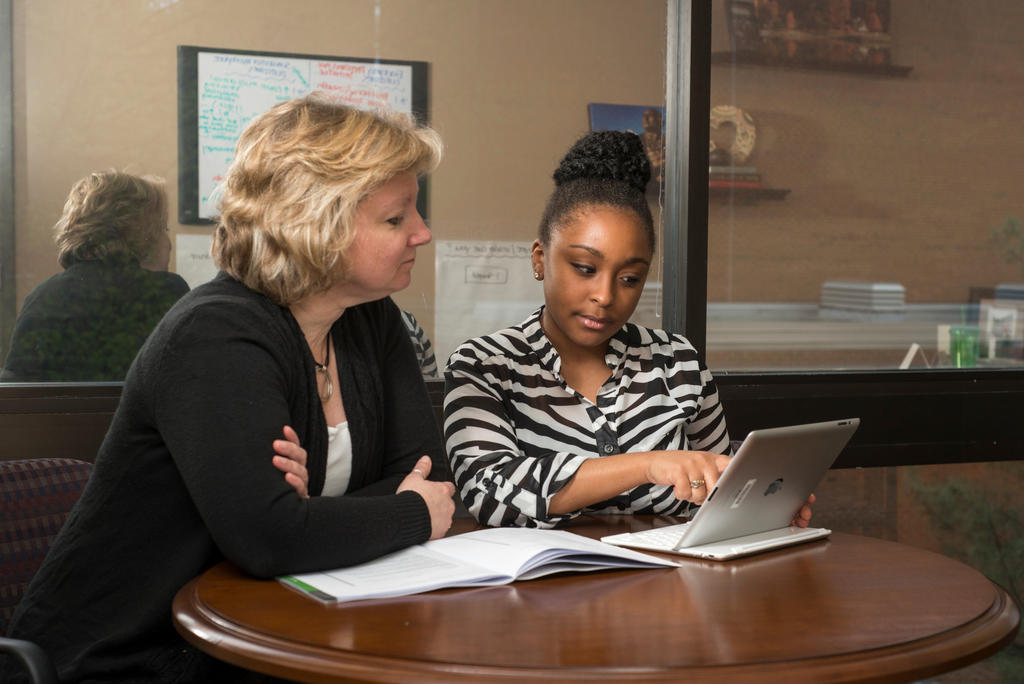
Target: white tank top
x=339, y=460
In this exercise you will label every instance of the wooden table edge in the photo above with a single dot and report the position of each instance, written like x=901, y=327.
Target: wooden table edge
x=208, y=631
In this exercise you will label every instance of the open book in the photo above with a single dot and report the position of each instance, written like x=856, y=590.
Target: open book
x=490, y=556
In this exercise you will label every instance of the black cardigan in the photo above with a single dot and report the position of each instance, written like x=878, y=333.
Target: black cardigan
x=184, y=477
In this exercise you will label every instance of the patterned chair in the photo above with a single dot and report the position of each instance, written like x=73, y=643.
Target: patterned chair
x=36, y=496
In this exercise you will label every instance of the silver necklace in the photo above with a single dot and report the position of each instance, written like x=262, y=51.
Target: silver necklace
x=322, y=368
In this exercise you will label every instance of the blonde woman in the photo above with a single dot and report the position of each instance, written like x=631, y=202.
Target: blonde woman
x=88, y=322
x=296, y=340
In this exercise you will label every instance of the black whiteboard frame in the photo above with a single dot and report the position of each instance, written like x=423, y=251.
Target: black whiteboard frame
x=188, y=117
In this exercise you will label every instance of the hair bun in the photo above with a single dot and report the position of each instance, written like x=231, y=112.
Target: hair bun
x=606, y=155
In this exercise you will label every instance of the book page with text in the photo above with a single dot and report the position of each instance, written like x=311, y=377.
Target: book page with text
x=408, y=571
x=515, y=551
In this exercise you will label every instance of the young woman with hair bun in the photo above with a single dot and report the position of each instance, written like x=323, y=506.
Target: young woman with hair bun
x=577, y=410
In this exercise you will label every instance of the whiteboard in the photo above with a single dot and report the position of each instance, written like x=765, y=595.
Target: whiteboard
x=221, y=91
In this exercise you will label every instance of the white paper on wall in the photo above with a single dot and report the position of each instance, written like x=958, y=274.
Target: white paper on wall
x=192, y=258
x=481, y=286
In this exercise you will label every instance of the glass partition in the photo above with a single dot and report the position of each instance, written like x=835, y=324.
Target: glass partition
x=865, y=208
x=865, y=215
x=96, y=86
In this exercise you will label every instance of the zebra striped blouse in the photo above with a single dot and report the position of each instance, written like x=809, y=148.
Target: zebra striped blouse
x=421, y=345
x=516, y=433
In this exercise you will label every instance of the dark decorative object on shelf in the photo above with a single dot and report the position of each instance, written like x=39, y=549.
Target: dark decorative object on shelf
x=811, y=34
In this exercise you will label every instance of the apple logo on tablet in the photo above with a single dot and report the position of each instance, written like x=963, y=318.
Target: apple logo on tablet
x=773, y=487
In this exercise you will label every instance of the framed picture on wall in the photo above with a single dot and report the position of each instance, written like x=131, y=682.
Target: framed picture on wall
x=647, y=121
x=220, y=91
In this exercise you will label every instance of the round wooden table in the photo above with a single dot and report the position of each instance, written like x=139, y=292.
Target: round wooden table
x=849, y=608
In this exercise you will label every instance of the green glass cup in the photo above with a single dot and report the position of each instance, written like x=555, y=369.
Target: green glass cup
x=963, y=345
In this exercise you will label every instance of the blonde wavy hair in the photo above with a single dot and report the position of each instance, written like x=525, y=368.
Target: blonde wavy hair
x=111, y=214
x=288, y=203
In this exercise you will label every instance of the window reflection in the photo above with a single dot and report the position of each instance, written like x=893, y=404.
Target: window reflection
x=971, y=513
x=87, y=322
x=873, y=221
x=421, y=345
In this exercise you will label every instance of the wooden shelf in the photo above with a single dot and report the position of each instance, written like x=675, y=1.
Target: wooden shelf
x=756, y=59
x=747, y=195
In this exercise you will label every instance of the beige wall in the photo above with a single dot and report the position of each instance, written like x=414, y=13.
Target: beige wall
x=95, y=87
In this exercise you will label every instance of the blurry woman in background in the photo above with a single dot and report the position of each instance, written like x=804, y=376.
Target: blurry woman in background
x=88, y=322
x=295, y=348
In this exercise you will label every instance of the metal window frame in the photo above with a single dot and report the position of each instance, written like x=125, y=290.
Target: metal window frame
x=8, y=299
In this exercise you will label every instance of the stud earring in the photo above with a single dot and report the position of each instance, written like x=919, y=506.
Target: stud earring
x=536, y=275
